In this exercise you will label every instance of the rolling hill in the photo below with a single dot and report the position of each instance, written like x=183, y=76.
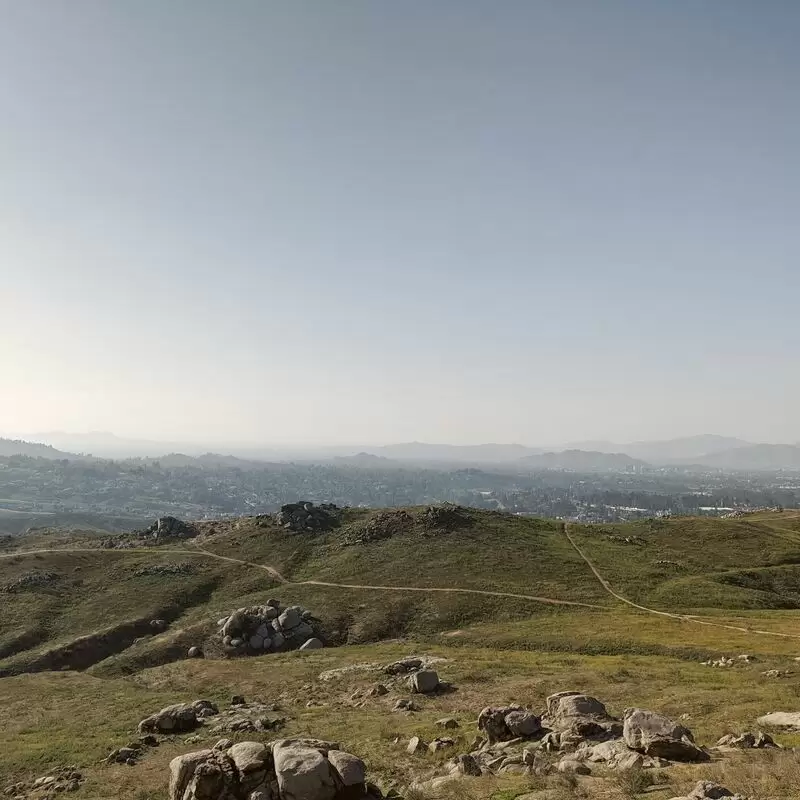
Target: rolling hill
x=18, y=447
x=514, y=609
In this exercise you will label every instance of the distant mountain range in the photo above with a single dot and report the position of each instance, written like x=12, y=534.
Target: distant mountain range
x=472, y=453
x=707, y=450
x=682, y=450
x=583, y=461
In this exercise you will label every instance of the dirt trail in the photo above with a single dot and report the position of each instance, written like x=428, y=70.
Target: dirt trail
x=196, y=551
x=681, y=617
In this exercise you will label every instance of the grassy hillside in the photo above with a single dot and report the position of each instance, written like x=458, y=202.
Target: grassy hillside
x=687, y=564
x=78, y=616
x=401, y=560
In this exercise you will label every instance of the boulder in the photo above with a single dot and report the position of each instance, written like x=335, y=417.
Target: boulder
x=350, y=769
x=303, y=772
x=580, y=714
x=312, y=644
x=447, y=722
x=572, y=766
x=415, y=745
x=205, y=775
x=250, y=757
x=194, y=652
x=656, y=735
x=522, y=723
x=785, y=720
x=289, y=619
x=504, y=723
x=178, y=718
x=424, y=681
x=466, y=764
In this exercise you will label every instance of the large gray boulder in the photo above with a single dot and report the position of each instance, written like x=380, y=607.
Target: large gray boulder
x=501, y=724
x=656, y=735
x=522, y=723
x=784, y=720
x=350, y=769
x=303, y=772
x=205, y=775
x=424, y=681
x=579, y=714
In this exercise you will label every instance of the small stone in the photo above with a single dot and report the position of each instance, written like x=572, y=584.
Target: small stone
x=223, y=744
x=440, y=744
x=447, y=722
x=415, y=745
x=194, y=652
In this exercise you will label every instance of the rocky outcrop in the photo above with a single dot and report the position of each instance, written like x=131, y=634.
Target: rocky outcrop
x=270, y=628
x=170, y=527
x=244, y=717
x=746, y=741
x=289, y=769
x=655, y=735
x=164, y=529
x=508, y=722
x=305, y=517
x=379, y=526
x=178, y=718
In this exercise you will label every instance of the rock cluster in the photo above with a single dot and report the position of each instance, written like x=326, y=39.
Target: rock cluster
x=178, y=718
x=746, y=741
x=706, y=790
x=164, y=529
x=269, y=628
x=288, y=769
x=508, y=722
x=62, y=779
x=382, y=525
x=166, y=570
x=306, y=517
x=446, y=516
x=576, y=729
x=170, y=528
x=244, y=717
x=30, y=580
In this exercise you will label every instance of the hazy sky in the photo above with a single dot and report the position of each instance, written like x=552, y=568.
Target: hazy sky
x=369, y=221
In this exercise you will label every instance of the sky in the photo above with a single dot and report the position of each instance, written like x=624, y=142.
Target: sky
x=373, y=221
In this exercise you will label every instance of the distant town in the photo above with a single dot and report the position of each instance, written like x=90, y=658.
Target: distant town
x=123, y=494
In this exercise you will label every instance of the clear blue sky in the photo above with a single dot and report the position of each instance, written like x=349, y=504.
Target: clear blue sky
x=375, y=221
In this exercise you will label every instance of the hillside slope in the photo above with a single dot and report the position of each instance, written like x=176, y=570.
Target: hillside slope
x=383, y=574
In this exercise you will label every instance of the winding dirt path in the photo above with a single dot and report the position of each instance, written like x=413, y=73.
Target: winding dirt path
x=680, y=617
x=197, y=551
